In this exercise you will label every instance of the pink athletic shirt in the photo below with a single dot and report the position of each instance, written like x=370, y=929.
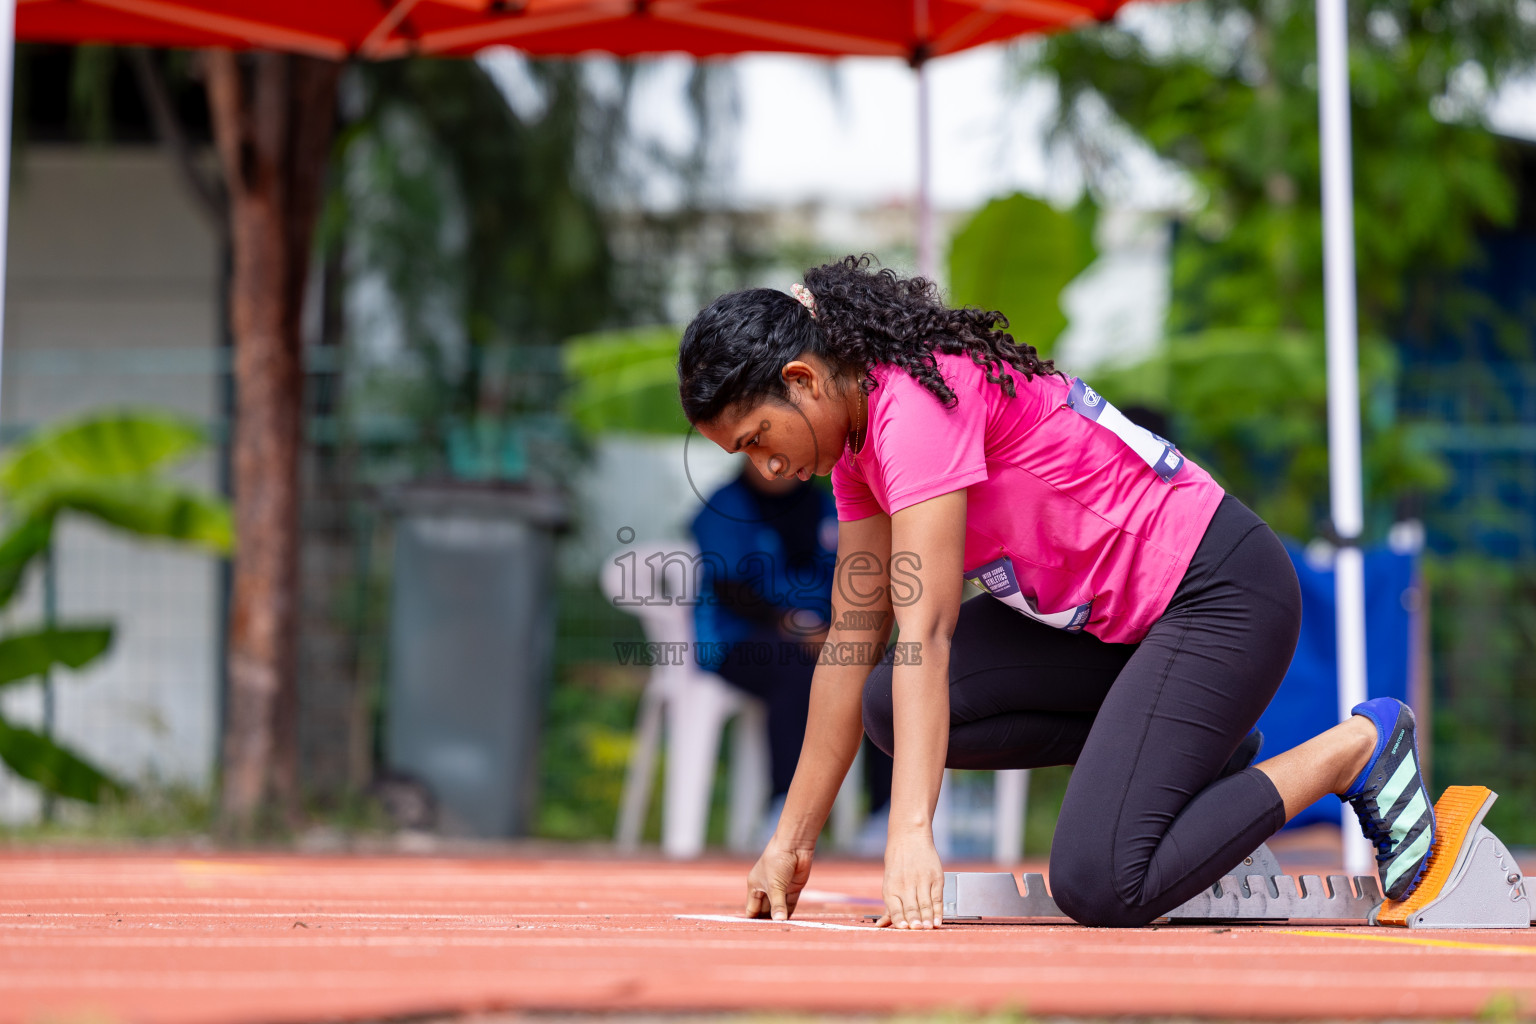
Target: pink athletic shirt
x=1074, y=515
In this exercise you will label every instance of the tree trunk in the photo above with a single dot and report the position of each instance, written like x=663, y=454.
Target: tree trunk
x=273, y=118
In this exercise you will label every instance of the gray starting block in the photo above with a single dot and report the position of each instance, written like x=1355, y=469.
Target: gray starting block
x=1262, y=893
x=1483, y=887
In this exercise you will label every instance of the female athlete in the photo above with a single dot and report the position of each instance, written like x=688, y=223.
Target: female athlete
x=1139, y=618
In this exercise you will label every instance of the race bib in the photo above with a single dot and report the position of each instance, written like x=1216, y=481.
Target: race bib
x=997, y=578
x=1155, y=451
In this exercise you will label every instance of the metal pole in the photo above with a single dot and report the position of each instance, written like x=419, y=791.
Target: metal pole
x=7, y=66
x=50, y=620
x=925, y=259
x=1344, y=475
x=922, y=31
x=926, y=267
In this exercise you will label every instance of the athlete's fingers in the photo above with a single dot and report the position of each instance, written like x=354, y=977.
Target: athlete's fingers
x=936, y=894
x=895, y=911
x=925, y=908
x=914, y=911
x=778, y=901
x=885, y=920
x=757, y=902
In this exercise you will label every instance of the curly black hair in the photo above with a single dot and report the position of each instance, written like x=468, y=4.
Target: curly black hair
x=733, y=351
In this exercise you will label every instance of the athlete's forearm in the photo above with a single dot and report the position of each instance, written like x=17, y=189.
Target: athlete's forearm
x=832, y=732
x=920, y=703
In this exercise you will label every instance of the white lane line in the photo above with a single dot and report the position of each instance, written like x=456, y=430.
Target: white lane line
x=823, y=896
x=727, y=919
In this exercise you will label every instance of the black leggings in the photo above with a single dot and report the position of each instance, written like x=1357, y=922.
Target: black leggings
x=1148, y=821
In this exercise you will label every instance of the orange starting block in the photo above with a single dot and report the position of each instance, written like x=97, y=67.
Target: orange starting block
x=1472, y=881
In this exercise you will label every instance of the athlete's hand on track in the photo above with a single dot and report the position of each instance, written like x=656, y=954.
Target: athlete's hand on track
x=914, y=882
x=775, y=881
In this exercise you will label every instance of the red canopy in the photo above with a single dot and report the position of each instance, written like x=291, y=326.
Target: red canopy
x=382, y=29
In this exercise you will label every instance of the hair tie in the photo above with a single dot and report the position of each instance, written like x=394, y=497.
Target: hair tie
x=803, y=293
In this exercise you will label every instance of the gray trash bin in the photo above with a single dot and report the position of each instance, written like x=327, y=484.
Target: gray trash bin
x=471, y=639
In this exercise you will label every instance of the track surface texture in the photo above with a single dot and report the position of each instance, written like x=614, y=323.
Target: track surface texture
x=229, y=939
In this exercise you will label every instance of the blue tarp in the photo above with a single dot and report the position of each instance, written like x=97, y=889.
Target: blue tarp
x=1308, y=700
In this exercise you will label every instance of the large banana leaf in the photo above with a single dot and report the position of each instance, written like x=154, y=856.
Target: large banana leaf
x=626, y=381
x=24, y=655
x=55, y=768
x=120, y=443
x=142, y=505
x=1015, y=255
x=22, y=541
x=101, y=465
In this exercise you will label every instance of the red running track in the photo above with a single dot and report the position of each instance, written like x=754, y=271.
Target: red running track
x=163, y=939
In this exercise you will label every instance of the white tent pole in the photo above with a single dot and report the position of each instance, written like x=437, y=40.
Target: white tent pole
x=926, y=265
x=1344, y=474
x=7, y=71
x=921, y=32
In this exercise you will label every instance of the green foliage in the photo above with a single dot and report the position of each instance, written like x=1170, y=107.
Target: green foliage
x=588, y=724
x=625, y=381
x=1251, y=406
x=116, y=444
x=453, y=188
x=483, y=228
x=54, y=768
x=494, y=231
x=152, y=810
x=1015, y=255
x=24, y=655
x=105, y=466
x=1483, y=622
x=149, y=508
x=1047, y=790
x=589, y=718
x=1228, y=93
x=21, y=541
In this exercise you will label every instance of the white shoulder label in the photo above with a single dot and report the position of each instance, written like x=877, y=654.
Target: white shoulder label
x=1155, y=451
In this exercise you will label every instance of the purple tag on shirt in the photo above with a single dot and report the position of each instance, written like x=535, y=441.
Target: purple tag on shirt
x=998, y=579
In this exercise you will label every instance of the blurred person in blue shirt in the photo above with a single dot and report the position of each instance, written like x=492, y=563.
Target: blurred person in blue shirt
x=771, y=549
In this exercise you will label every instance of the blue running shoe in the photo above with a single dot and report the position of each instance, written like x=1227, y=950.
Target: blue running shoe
x=1389, y=797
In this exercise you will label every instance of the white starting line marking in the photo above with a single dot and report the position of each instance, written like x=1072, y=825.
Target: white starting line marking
x=727, y=919
x=823, y=896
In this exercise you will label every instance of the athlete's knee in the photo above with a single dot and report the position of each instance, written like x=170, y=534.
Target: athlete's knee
x=1085, y=888
x=879, y=709
x=1093, y=902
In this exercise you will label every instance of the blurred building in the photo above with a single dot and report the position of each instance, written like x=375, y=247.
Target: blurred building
x=113, y=299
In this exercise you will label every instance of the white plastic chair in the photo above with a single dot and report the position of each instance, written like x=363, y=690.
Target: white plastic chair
x=694, y=704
